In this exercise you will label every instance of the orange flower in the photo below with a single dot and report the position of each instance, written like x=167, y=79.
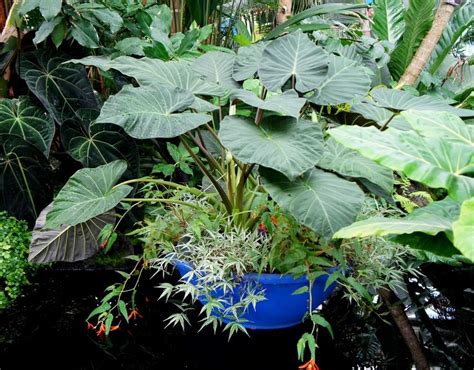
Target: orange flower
x=90, y=326
x=103, y=245
x=274, y=220
x=134, y=314
x=101, y=330
x=310, y=365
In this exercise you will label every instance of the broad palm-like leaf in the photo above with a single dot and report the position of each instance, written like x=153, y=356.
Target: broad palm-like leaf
x=389, y=21
x=287, y=103
x=90, y=192
x=463, y=230
x=20, y=117
x=216, y=67
x=63, y=89
x=418, y=19
x=247, y=61
x=285, y=145
x=462, y=20
x=347, y=162
x=68, y=243
x=24, y=178
x=293, y=56
x=346, y=81
x=100, y=143
x=432, y=161
x=152, y=112
x=320, y=200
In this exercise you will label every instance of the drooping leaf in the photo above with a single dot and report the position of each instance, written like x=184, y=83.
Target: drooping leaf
x=84, y=33
x=286, y=145
x=418, y=19
x=247, y=61
x=462, y=20
x=346, y=81
x=63, y=89
x=372, y=112
x=293, y=56
x=88, y=193
x=216, y=67
x=48, y=8
x=152, y=112
x=463, y=230
x=67, y=243
x=46, y=29
x=100, y=143
x=388, y=20
x=399, y=100
x=20, y=117
x=338, y=158
x=287, y=103
x=109, y=17
x=24, y=178
x=320, y=200
x=148, y=71
x=432, y=161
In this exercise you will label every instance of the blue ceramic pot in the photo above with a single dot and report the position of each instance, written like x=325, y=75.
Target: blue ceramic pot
x=280, y=309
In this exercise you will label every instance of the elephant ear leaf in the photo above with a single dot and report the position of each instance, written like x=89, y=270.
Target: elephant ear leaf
x=67, y=243
x=463, y=230
x=389, y=22
x=24, y=178
x=90, y=192
x=63, y=89
x=20, y=117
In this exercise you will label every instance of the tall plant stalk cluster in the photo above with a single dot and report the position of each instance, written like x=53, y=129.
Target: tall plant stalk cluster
x=241, y=137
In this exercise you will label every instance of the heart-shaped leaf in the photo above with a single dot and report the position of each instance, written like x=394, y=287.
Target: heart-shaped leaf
x=152, y=112
x=320, y=200
x=88, y=193
x=248, y=60
x=293, y=56
x=216, y=67
x=24, y=178
x=285, y=145
x=347, y=162
x=20, y=117
x=68, y=243
x=346, y=81
x=63, y=89
x=100, y=143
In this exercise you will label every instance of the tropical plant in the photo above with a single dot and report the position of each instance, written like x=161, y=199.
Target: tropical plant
x=14, y=268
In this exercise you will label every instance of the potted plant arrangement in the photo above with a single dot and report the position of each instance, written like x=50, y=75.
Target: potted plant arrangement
x=273, y=191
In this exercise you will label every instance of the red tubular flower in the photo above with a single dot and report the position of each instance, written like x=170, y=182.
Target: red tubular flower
x=134, y=314
x=90, y=326
x=310, y=365
x=101, y=330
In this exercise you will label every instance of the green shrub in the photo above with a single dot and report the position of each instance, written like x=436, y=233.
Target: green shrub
x=14, y=241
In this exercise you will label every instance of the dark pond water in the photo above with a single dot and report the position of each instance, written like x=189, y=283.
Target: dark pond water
x=46, y=329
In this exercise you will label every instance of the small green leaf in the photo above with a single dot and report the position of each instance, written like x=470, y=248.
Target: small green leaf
x=301, y=290
x=123, y=309
x=321, y=321
x=105, y=306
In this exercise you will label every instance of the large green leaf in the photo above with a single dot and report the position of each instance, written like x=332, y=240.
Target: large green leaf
x=435, y=218
x=399, y=100
x=247, y=61
x=432, y=161
x=441, y=125
x=24, y=178
x=20, y=117
x=216, y=67
x=461, y=21
x=286, y=145
x=68, y=243
x=346, y=81
x=46, y=29
x=100, y=143
x=463, y=230
x=88, y=193
x=320, y=200
x=288, y=103
x=338, y=158
x=293, y=56
x=418, y=19
x=63, y=89
x=152, y=112
x=84, y=33
x=389, y=21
